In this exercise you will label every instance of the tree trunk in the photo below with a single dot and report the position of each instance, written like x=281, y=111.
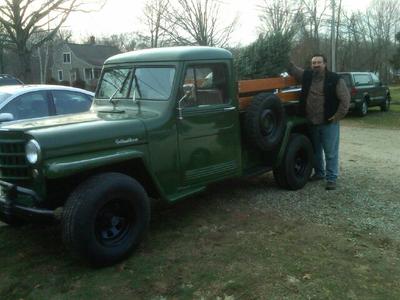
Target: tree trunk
x=25, y=66
x=1, y=59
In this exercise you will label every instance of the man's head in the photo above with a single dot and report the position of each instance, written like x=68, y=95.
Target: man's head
x=318, y=63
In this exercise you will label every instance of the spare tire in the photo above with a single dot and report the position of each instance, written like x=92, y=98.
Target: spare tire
x=265, y=121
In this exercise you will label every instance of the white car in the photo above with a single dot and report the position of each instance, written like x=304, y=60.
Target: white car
x=18, y=102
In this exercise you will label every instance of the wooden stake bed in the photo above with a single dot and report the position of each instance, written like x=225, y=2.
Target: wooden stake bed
x=249, y=88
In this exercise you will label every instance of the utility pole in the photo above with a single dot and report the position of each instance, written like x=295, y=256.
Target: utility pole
x=333, y=38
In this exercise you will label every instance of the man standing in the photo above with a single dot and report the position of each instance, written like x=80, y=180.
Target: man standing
x=324, y=100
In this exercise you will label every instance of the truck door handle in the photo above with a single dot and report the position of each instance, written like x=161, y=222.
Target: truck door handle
x=229, y=108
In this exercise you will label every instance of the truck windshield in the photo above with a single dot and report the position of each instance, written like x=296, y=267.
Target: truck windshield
x=148, y=83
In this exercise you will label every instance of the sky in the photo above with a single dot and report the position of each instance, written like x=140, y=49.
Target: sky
x=121, y=16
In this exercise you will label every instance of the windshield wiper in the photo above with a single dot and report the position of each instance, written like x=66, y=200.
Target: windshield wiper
x=136, y=88
x=117, y=89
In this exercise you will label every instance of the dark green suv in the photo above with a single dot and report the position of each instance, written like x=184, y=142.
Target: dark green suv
x=366, y=90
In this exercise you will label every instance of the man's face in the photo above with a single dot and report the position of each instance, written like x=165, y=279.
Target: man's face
x=317, y=64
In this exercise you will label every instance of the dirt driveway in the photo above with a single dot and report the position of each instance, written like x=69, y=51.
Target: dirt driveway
x=368, y=191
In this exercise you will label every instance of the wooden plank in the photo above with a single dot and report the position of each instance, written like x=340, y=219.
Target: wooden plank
x=258, y=85
x=285, y=97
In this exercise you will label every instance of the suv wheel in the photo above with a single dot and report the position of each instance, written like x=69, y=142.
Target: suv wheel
x=385, y=106
x=363, y=108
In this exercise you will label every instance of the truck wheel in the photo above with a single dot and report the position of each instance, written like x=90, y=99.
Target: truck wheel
x=265, y=121
x=385, y=106
x=105, y=218
x=296, y=165
x=362, y=108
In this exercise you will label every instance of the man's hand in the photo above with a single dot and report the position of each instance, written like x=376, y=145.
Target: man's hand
x=332, y=119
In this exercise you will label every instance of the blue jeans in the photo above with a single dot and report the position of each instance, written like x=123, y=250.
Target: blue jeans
x=325, y=140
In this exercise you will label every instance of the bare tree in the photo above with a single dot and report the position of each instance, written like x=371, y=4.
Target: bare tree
x=315, y=17
x=124, y=41
x=154, y=17
x=23, y=19
x=3, y=42
x=198, y=22
x=380, y=21
x=280, y=16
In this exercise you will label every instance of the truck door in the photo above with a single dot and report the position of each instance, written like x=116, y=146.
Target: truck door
x=208, y=132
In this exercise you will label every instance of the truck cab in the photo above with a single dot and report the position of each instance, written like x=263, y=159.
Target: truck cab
x=165, y=123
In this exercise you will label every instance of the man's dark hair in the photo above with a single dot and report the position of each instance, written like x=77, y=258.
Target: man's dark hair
x=320, y=55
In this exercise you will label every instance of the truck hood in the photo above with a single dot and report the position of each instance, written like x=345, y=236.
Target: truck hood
x=85, y=132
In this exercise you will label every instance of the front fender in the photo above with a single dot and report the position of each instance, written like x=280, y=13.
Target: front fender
x=72, y=164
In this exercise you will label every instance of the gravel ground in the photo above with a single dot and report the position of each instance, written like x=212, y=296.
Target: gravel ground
x=367, y=197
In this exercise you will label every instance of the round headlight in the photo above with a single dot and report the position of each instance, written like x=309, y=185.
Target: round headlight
x=32, y=151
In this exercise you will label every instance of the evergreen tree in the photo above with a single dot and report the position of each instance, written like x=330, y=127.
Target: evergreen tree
x=268, y=56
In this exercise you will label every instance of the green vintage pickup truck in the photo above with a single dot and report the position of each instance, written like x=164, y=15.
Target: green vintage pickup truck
x=165, y=123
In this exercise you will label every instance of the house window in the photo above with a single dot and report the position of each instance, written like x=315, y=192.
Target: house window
x=60, y=75
x=67, y=57
x=88, y=73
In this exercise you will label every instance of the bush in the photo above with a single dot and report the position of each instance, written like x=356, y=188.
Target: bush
x=79, y=83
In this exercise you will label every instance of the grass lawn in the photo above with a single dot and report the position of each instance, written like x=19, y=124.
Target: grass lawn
x=214, y=246
x=395, y=93
x=377, y=119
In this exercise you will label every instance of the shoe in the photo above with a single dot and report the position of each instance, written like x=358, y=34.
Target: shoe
x=330, y=185
x=316, y=177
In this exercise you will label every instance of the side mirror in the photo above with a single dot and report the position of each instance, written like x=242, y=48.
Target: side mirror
x=188, y=90
x=6, y=117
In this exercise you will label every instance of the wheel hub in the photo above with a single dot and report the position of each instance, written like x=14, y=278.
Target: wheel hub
x=113, y=222
x=268, y=122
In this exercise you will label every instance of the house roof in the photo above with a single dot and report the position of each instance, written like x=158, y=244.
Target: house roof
x=92, y=53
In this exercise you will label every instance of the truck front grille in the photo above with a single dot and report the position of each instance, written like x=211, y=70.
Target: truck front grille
x=13, y=164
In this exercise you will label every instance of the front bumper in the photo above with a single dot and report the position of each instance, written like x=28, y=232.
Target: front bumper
x=8, y=202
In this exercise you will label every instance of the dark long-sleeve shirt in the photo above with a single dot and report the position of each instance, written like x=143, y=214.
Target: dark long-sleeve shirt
x=315, y=98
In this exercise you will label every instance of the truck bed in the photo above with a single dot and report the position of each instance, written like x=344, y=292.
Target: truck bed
x=286, y=88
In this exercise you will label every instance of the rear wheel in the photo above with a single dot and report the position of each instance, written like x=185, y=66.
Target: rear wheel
x=385, y=106
x=105, y=218
x=296, y=166
x=362, y=108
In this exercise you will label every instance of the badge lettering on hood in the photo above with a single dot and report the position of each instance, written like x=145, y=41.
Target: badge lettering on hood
x=126, y=141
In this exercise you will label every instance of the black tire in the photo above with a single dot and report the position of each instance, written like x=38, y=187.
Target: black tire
x=296, y=166
x=105, y=218
x=362, y=108
x=385, y=106
x=265, y=121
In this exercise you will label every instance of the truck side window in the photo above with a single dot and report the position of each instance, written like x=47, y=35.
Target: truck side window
x=210, y=84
